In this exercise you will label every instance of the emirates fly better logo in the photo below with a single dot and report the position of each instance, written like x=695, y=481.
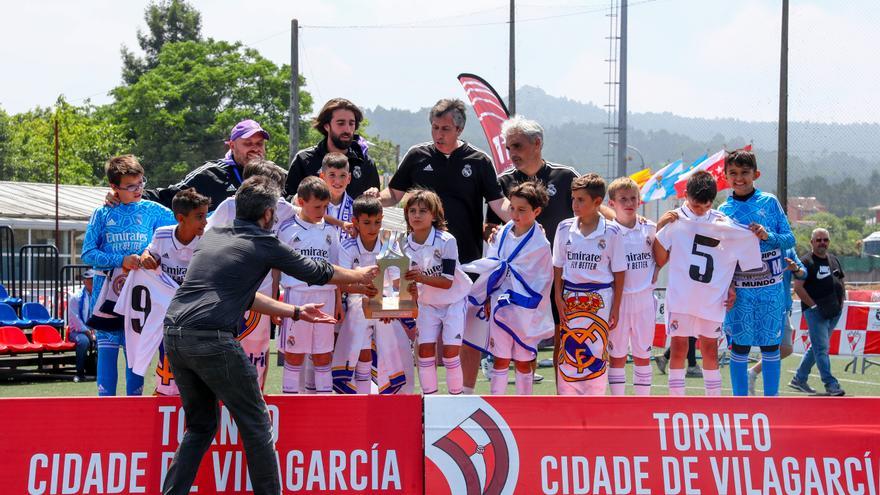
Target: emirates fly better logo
x=470, y=446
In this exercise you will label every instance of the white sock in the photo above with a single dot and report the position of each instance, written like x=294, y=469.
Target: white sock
x=524, y=382
x=676, y=381
x=323, y=379
x=362, y=377
x=712, y=382
x=642, y=376
x=307, y=377
x=428, y=375
x=617, y=380
x=498, y=381
x=290, y=378
x=454, y=378
x=467, y=390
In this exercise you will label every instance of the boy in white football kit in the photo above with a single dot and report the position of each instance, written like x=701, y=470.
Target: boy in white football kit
x=334, y=172
x=589, y=272
x=442, y=287
x=702, y=247
x=313, y=238
x=515, y=279
x=171, y=250
x=359, y=338
x=635, y=330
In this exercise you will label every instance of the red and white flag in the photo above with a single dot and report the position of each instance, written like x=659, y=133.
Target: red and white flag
x=491, y=112
x=714, y=165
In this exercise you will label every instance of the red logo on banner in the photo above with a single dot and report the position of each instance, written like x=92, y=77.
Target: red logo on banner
x=491, y=112
x=471, y=448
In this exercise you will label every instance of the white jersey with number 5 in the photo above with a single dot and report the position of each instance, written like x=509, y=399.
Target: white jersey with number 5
x=143, y=301
x=703, y=254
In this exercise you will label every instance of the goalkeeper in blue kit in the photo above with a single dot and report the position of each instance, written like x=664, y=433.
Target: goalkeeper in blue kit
x=758, y=316
x=114, y=240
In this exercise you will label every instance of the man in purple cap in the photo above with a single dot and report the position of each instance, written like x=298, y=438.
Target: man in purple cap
x=219, y=179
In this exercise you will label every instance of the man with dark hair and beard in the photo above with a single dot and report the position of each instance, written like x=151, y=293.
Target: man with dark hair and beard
x=338, y=121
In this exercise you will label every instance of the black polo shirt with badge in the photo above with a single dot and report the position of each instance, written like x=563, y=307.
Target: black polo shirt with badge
x=463, y=180
x=557, y=179
x=364, y=174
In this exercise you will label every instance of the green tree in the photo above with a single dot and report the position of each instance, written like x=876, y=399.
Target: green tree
x=4, y=142
x=845, y=233
x=87, y=137
x=179, y=113
x=168, y=21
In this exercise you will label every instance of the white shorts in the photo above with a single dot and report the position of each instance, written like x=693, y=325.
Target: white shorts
x=502, y=345
x=448, y=318
x=584, y=387
x=684, y=325
x=302, y=337
x=635, y=330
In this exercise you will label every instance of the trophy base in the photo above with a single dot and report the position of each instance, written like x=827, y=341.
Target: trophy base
x=390, y=307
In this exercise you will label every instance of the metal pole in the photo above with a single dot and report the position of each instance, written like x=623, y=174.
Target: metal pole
x=782, y=160
x=294, y=88
x=621, y=99
x=57, y=229
x=511, y=77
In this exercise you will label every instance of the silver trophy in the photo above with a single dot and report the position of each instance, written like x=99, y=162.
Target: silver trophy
x=403, y=305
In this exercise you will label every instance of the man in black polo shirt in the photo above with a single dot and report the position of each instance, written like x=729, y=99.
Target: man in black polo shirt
x=525, y=140
x=462, y=175
x=209, y=365
x=337, y=121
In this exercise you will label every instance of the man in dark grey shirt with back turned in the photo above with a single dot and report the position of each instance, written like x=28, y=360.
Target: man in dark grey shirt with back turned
x=200, y=326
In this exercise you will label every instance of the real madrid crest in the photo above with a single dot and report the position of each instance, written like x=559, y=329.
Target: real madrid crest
x=466, y=171
x=356, y=172
x=437, y=254
x=601, y=243
x=329, y=240
x=551, y=190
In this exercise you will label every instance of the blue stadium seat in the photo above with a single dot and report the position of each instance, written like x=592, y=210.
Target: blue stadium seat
x=9, y=318
x=39, y=315
x=4, y=298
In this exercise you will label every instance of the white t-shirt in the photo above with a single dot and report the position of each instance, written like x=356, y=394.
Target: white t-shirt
x=438, y=256
x=173, y=256
x=143, y=301
x=225, y=214
x=637, y=243
x=318, y=241
x=591, y=259
x=704, y=251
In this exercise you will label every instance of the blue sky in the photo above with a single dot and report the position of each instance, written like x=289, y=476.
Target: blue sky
x=706, y=58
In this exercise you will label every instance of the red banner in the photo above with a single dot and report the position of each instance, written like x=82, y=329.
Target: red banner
x=642, y=445
x=491, y=112
x=857, y=332
x=332, y=444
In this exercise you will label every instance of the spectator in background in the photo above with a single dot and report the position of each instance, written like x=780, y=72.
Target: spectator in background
x=338, y=121
x=822, y=295
x=79, y=308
